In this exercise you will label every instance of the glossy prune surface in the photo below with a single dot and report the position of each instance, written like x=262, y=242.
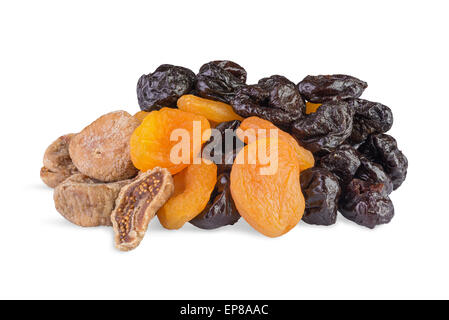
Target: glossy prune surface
x=373, y=173
x=370, y=117
x=322, y=88
x=220, y=210
x=218, y=80
x=164, y=87
x=342, y=162
x=366, y=204
x=275, y=99
x=383, y=149
x=326, y=129
x=321, y=192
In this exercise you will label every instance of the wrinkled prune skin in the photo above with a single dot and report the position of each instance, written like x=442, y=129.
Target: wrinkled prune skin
x=366, y=204
x=223, y=149
x=221, y=210
x=342, y=162
x=275, y=99
x=383, y=149
x=324, y=130
x=321, y=192
x=373, y=173
x=164, y=86
x=370, y=117
x=322, y=88
x=218, y=80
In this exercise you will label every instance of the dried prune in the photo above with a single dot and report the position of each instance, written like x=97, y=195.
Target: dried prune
x=213, y=110
x=366, y=204
x=220, y=210
x=137, y=203
x=324, y=88
x=101, y=150
x=223, y=146
x=268, y=194
x=218, y=80
x=58, y=165
x=370, y=117
x=383, y=149
x=164, y=87
x=275, y=99
x=321, y=191
x=85, y=201
x=254, y=128
x=373, y=173
x=343, y=162
x=326, y=129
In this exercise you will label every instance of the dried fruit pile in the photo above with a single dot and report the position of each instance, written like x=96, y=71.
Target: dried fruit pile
x=209, y=149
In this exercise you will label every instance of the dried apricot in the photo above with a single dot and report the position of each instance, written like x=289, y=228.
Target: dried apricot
x=271, y=203
x=212, y=110
x=312, y=107
x=141, y=115
x=151, y=144
x=249, y=133
x=193, y=187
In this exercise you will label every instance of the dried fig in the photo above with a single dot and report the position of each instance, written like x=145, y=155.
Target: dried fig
x=101, y=150
x=137, y=204
x=85, y=201
x=53, y=179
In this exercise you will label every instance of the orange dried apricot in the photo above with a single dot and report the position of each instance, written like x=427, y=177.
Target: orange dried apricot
x=193, y=187
x=212, y=110
x=312, y=107
x=272, y=203
x=249, y=133
x=141, y=115
x=151, y=146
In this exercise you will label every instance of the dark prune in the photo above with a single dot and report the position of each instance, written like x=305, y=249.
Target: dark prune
x=370, y=117
x=218, y=80
x=164, y=86
x=275, y=99
x=366, y=204
x=326, y=129
x=343, y=162
x=221, y=210
x=322, y=88
x=383, y=149
x=321, y=192
x=373, y=173
x=223, y=147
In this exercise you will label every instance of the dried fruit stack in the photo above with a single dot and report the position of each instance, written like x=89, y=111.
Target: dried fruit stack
x=325, y=150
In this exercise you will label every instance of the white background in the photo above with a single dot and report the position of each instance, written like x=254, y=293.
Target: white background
x=64, y=63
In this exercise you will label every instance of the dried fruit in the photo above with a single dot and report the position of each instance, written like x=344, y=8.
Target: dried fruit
x=321, y=192
x=141, y=115
x=366, y=204
x=268, y=196
x=137, y=204
x=326, y=129
x=220, y=211
x=213, y=110
x=312, y=107
x=58, y=165
x=324, y=88
x=343, y=162
x=370, y=117
x=101, y=150
x=164, y=87
x=383, y=149
x=85, y=201
x=151, y=144
x=193, y=187
x=275, y=99
x=218, y=80
x=373, y=173
x=222, y=148
x=250, y=132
